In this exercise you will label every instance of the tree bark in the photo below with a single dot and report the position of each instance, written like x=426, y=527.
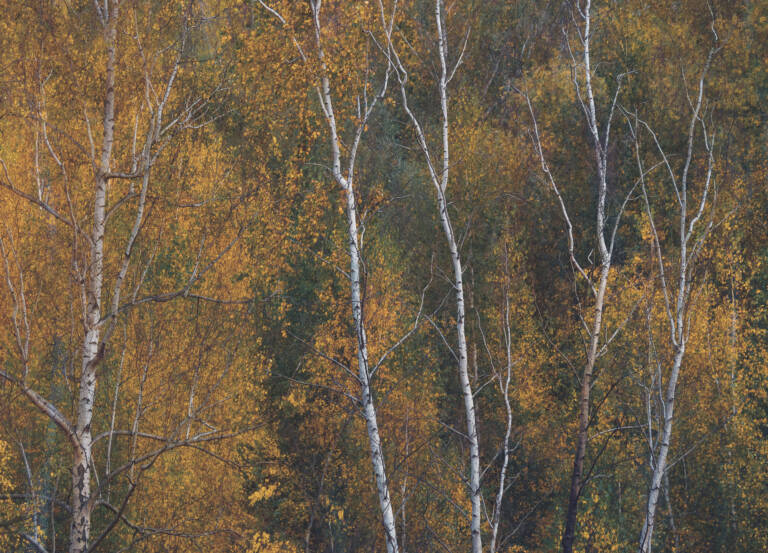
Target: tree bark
x=577, y=474
x=439, y=177
x=677, y=311
x=659, y=469
x=364, y=373
x=466, y=386
x=81, y=463
x=366, y=397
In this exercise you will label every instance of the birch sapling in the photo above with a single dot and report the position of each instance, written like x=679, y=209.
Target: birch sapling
x=346, y=182
x=439, y=174
x=343, y=172
x=692, y=235
x=503, y=381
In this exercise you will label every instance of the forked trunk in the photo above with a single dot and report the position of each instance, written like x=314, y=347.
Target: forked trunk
x=659, y=469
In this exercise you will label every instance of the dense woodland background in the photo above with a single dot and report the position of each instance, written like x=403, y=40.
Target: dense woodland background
x=266, y=288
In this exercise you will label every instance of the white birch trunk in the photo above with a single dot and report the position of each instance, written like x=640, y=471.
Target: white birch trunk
x=364, y=374
x=81, y=463
x=504, y=389
x=659, y=468
x=466, y=387
x=440, y=182
x=677, y=313
x=445, y=220
x=605, y=253
x=99, y=321
x=366, y=397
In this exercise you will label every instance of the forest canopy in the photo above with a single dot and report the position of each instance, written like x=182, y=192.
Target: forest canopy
x=389, y=276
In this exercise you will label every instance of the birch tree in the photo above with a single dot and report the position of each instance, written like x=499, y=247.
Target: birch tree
x=342, y=169
x=605, y=238
x=695, y=221
x=345, y=178
x=503, y=377
x=106, y=278
x=439, y=166
x=211, y=215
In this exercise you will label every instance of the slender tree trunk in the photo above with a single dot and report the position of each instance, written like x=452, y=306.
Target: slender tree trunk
x=366, y=397
x=606, y=254
x=678, y=315
x=445, y=219
x=81, y=466
x=347, y=184
x=439, y=175
x=466, y=386
x=81, y=463
x=504, y=389
x=584, y=412
x=659, y=469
